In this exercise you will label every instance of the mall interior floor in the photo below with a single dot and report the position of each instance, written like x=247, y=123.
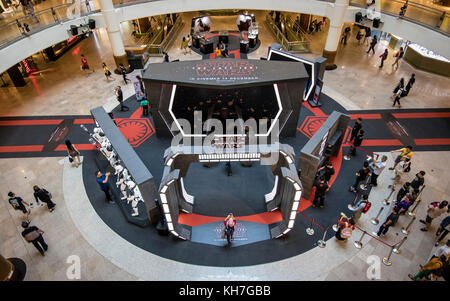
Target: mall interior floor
x=62, y=89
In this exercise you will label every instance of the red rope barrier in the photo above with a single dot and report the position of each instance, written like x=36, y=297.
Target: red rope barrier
x=312, y=221
x=374, y=237
x=364, y=150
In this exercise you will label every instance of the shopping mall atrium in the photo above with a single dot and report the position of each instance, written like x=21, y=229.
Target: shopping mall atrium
x=199, y=140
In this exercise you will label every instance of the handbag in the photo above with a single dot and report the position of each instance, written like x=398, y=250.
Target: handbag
x=32, y=236
x=70, y=159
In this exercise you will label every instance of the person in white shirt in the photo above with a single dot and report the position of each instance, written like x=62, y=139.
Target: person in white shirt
x=435, y=209
x=377, y=167
x=443, y=250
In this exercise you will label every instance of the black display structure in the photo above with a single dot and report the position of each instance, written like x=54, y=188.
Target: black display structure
x=285, y=79
x=314, y=68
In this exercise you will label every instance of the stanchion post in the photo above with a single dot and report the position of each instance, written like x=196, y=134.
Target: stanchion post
x=387, y=260
x=375, y=220
x=386, y=200
x=396, y=248
x=321, y=243
x=406, y=230
x=310, y=230
x=351, y=206
x=413, y=211
x=358, y=243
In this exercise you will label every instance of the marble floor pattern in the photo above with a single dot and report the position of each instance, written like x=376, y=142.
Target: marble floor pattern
x=62, y=89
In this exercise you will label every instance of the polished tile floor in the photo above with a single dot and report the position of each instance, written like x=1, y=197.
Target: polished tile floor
x=63, y=89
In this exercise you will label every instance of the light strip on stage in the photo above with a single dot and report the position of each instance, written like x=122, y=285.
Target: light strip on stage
x=313, y=79
x=280, y=108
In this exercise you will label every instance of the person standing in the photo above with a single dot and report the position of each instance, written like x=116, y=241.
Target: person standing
x=398, y=56
x=432, y=265
x=405, y=153
x=441, y=19
x=321, y=189
x=119, y=97
x=361, y=206
x=34, y=235
x=88, y=6
x=443, y=230
x=383, y=57
x=107, y=72
x=377, y=166
x=102, y=180
x=390, y=221
x=410, y=83
x=435, y=210
x=73, y=153
x=361, y=175
x=230, y=223
x=123, y=70
x=372, y=44
x=165, y=57
x=328, y=171
x=356, y=143
x=367, y=34
x=404, y=205
x=356, y=127
x=443, y=250
x=84, y=63
x=346, y=227
x=44, y=196
x=185, y=45
x=403, y=191
x=144, y=106
x=218, y=52
x=19, y=204
x=418, y=181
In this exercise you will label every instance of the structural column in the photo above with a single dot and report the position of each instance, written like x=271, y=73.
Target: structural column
x=334, y=32
x=113, y=29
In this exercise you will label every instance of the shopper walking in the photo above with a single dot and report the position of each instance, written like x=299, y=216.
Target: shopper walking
x=390, y=221
x=377, y=168
x=398, y=92
x=34, y=235
x=73, y=154
x=84, y=63
x=123, y=71
x=119, y=97
x=19, y=204
x=102, y=180
x=44, y=196
x=405, y=153
x=410, y=84
x=372, y=44
x=432, y=265
x=346, y=227
x=321, y=189
x=383, y=57
x=398, y=56
x=106, y=71
x=356, y=143
x=361, y=176
x=435, y=209
x=230, y=223
x=185, y=45
x=367, y=35
x=443, y=230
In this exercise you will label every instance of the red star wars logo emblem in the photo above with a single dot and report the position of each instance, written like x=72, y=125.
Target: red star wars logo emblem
x=214, y=68
x=135, y=130
x=311, y=125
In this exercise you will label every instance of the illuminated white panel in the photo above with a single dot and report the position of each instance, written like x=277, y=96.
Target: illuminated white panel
x=293, y=215
x=297, y=196
x=175, y=233
x=169, y=162
x=291, y=224
x=170, y=225
x=296, y=186
x=163, y=198
x=168, y=218
x=164, y=189
x=286, y=231
x=289, y=160
x=170, y=182
x=166, y=208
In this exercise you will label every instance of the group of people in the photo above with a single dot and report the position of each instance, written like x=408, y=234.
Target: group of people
x=321, y=184
x=222, y=50
x=123, y=71
x=32, y=234
x=401, y=90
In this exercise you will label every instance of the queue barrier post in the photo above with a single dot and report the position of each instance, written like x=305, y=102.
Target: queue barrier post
x=413, y=211
x=396, y=248
x=375, y=220
x=321, y=243
x=405, y=230
x=358, y=243
x=351, y=206
x=310, y=230
x=386, y=200
x=387, y=260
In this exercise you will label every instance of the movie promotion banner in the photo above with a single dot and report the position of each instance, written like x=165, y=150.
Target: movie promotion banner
x=138, y=87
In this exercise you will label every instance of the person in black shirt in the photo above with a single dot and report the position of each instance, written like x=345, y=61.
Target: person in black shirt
x=418, y=180
x=410, y=83
x=321, y=189
x=403, y=192
x=119, y=96
x=361, y=175
x=165, y=57
x=34, y=235
x=328, y=171
x=44, y=196
x=18, y=204
x=356, y=127
x=391, y=220
x=123, y=70
x=372, y=44
x=356, y=142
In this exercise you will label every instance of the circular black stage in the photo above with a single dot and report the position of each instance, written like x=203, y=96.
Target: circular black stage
x=242, y=194
x=233, y=44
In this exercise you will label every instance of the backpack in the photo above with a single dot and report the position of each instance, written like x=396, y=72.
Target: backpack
x=408, y=168
x=367, y=207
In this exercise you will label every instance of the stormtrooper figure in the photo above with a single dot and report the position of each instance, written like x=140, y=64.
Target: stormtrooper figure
x=122, y=177
x=134, y=197
x=98, y=135
x=106, y=148
x=113, y=158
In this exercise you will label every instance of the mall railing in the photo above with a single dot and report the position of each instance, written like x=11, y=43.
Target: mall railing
x=291, y=46
x=416, y=12
x=13, y=29
x=158, y=49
